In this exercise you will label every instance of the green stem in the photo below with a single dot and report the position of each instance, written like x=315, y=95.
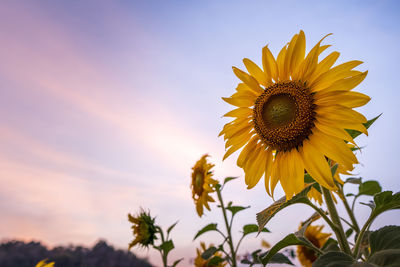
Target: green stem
x=341, y=238
x=360, y=237
x=323, y=215
x=350, y=212
x=163, y=255
x=228, y=228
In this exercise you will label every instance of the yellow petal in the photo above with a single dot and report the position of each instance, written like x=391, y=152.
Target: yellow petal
x=255, y=168
x=296, y=170
x=248, y=149
x=288, y=56
x=324, y=65
x=339, y=72
x=248, y=80
x=309, y=64
x=345, y=124
x=285, y=176
x=269, y=64
x=345, y=84
x=280, y=60
x=256, y=72
x=268, y=169
x=334, y=149
x=334, y=131
x=275, y=174
x=344, y=98
x=340, y=112
x=299, y=52
x=240, y=112
x=316, y=165
x=239, y=101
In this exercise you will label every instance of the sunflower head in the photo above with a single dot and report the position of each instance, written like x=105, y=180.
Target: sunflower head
x=44, y=263
x=291, y=115
x=315, y=235
x=200, y=262
x=144, y=229
x=202, y=184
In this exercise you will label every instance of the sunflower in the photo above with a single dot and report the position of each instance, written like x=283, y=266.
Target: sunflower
x=202, y=184
x=200, y=262
x=315, y=235
x=143, y=228
x=44, y=263
x=292, y=115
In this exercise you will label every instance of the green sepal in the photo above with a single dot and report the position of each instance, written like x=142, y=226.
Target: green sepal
x=209, y=252
x=355, y=133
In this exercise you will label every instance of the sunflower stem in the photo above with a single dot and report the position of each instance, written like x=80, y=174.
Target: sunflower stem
x=228, y=227
x=356, y=250
x=163, y=255
x=350, y=211
x=339, y=232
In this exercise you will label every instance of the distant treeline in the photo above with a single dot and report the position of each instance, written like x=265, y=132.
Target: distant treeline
x=21, y=254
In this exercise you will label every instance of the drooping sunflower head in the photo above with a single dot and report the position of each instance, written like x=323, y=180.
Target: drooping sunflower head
x=292, y=115
x=315, y=235
x=144, y=229
x=202, y=184
x=200, y=262
x=44, y=263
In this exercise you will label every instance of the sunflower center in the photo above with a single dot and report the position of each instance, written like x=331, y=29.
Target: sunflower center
x=283, y=115
x=279, y=110
x=199, y=180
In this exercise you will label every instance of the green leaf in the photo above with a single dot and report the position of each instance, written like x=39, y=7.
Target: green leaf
x=209, y=252
x=330, y=245
x=334, y=259
x=349, y=232
x=355, y=133
x=280, y=258
x=369, y=188
x=252, y=228
x=266, y=215
x=387, y=237
x=214, y=261
x=386, y=200
x=176, y=262
x=245, y=261
x=354, y=180
x=297, y=238
x=209, y=227
x=236, y=209
x=167, y=246
x=387, y=258
x=171, y=227
x=227, y=179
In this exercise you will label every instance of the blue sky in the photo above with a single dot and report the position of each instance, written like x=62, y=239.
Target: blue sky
x=105, y=107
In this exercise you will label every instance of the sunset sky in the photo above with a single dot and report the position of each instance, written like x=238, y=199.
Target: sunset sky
x=106, y=105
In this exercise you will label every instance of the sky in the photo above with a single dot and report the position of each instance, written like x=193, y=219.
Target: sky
x=106, y=105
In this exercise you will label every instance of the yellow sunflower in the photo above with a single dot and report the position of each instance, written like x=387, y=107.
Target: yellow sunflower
x=292, y=115
x=200, y=262
x=44, y=263
x=315, y=235
x=202, y=184
x=144, y=229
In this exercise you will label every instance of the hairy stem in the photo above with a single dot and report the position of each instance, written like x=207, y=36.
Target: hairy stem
x=344, y=245
x=228, y=227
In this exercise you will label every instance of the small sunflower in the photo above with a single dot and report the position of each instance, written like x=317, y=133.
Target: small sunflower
x=44, y=263
x=200, y=262
x=143, y=228
x=315, y=235
x=202, y=184
x=292, y=115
